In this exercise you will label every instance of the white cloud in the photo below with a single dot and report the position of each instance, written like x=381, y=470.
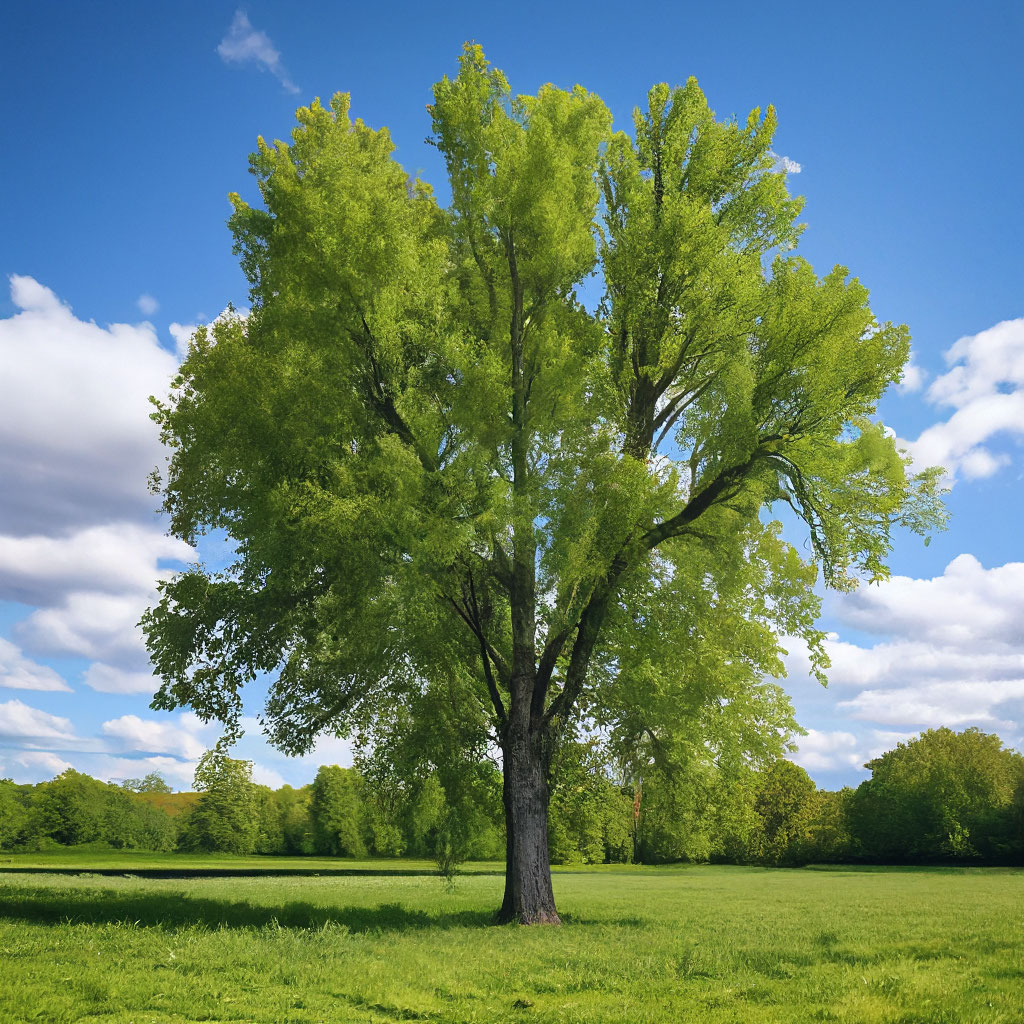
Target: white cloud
x=839, y=751
x=910, y=659
x=147, y=304
x=914, y=377
x=108, y=679
x=934, y=704
x=130, y=732
x=327, y=749
x=182, y=335
x=784, y=163
x=827, y=751
x=967, y=604
x=19, y=721
x=264, y=776
x=244, y=44
x=113, y=558
x=981, y=363
x=984, y=387
x=331, y=750
x=131, y=746
x=177, y=774
x=30, y=766
x=20, y=673
x=952, y=652
x=100, y=627
x=76, y=441
x=32, y=297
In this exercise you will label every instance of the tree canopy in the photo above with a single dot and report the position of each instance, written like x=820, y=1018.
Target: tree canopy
x=452, y=487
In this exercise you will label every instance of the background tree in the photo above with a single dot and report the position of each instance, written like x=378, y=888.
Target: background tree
x=269, y=830
x=13, y=815
x=942, y=796
x=785, y=804
x=444, y=475
x=133, y=824
x=152, y=783
x=296, y=826
x=337, y=812
x=828, y=836
x=431, y=760
x=225, y=819
x=695, y=812
x=71, y=809
x=590, y=818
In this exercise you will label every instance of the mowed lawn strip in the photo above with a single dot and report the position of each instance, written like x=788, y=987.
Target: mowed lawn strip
x=389, y=942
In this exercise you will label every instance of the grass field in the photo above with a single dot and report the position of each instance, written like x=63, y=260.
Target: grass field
x=176, y=938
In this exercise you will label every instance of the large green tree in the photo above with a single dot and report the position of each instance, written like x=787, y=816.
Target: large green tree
x=443, y=473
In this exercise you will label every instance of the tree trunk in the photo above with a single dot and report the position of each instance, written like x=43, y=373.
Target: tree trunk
x=528, y=895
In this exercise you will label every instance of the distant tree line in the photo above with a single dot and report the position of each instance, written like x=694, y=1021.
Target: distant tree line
x=945, y=797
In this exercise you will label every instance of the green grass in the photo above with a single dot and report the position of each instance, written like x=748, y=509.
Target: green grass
x=385, y=941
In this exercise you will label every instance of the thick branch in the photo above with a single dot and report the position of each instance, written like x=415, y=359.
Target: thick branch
x=723, y=486
x=384, y=403
x=523, y=590
x=492, y=687
x=496, y=659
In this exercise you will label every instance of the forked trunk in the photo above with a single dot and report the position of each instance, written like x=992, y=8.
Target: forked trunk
x=528, y=895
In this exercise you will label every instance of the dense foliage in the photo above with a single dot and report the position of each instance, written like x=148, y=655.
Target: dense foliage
x=465, y=503
x=74, y=809
x=945, y=797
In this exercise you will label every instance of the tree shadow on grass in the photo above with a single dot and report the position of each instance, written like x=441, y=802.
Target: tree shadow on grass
x=172, y=910
x=177, y=910
x=233, y=872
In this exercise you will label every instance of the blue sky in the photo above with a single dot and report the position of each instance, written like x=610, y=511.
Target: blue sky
x=126, y=125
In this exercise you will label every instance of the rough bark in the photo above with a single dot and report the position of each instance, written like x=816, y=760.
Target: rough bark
x=525, y=741
x=528, y=895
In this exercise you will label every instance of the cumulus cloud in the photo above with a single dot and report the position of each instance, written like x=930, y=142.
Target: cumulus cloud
x=76, y=441
x=38, y=766
x=827, y=751
x=839, y=751
x=30, y=766
x=784, y=163
x=19, y=721
x=264, y=776
x=182, y=335
x=110, y=768
x=97, y=626
x=80, y=542
x=934, y=704
x=112, y=558
x=950, y=650
x=109, y=679
x=269, y=762
x=967, y=605
x=20, y=673
x=244, y=44
x=914, y=377
x=128, y=746
x=129, y=732
x=32, y=297
x=984, y=388
x=147, y=304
